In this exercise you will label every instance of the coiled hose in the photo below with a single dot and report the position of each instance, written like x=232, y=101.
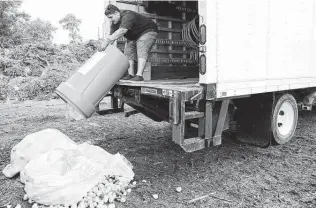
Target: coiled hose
x=191, y=37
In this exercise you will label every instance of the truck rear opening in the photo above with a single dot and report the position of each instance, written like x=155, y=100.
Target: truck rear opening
x=171, y=91
x=175, y=53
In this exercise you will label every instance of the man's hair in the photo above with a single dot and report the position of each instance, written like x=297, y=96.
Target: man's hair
x=111, y=9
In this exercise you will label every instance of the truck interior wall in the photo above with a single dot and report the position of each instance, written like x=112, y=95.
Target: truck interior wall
x=169, y=57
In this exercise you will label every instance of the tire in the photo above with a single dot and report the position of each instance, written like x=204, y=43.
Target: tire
x=284, y=120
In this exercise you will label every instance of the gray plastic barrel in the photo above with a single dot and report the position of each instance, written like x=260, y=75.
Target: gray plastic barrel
x=88, y=86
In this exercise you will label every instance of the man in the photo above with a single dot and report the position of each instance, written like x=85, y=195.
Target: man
x=140, y=32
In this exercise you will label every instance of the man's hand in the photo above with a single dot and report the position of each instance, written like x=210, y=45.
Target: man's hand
x=104, y=45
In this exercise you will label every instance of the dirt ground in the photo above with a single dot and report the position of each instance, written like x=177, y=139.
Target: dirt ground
x=232, y=175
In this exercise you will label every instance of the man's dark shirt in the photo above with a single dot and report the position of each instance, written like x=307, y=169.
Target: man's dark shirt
x=136, y=24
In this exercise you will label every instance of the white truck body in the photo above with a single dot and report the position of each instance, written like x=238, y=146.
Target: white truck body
x=259, y=46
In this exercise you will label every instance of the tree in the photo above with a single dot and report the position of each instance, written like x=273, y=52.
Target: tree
x=8, y=9
x=71, y=23
x=9, y=17
x=38, y=31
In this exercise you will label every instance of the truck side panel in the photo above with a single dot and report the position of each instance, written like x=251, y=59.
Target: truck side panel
x=242, y=40
x=264, y=46
x=290, y=39
x=313, y=59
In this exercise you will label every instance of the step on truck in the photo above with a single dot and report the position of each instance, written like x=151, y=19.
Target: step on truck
x=253, y=65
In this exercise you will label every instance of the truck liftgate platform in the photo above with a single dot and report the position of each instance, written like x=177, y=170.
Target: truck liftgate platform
x=181, y=103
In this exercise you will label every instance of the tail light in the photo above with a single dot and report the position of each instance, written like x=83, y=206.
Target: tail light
x=202, y=34
x=202, y=64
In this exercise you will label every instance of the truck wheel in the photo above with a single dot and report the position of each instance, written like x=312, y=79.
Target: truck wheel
x=284, y=120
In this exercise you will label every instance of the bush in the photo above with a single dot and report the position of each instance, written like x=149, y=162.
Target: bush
x=15, y=71
x=3, y=87
x=28, y=88
x=33, y=71
x=19, y=88
x=36, y=70
x=50, y=80
x=83, y=52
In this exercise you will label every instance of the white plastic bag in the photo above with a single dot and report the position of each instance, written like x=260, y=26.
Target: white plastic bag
x=58, y=171
x=115, y=165
x=34, y=145
x=60, y=177
x=64, y=176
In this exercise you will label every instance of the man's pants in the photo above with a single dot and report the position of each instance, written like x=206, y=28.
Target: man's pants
x=140, y=48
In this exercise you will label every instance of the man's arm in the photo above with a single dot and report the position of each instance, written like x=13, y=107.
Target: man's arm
x=111, y=38
x=117, y=34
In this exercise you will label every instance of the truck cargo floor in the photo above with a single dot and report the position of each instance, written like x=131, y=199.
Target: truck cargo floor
x=181, y=85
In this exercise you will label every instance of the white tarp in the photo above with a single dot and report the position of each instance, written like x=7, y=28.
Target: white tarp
x=63, y=173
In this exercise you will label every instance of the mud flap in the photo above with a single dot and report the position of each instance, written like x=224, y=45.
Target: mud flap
x=254, y=118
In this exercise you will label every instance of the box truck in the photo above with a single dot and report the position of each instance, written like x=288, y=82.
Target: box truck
x=253, y=68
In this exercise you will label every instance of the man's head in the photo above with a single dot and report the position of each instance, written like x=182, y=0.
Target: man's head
x=113, y=13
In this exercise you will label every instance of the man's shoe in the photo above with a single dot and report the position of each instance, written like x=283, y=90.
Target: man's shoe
x=137, y=78
x=128, y=77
